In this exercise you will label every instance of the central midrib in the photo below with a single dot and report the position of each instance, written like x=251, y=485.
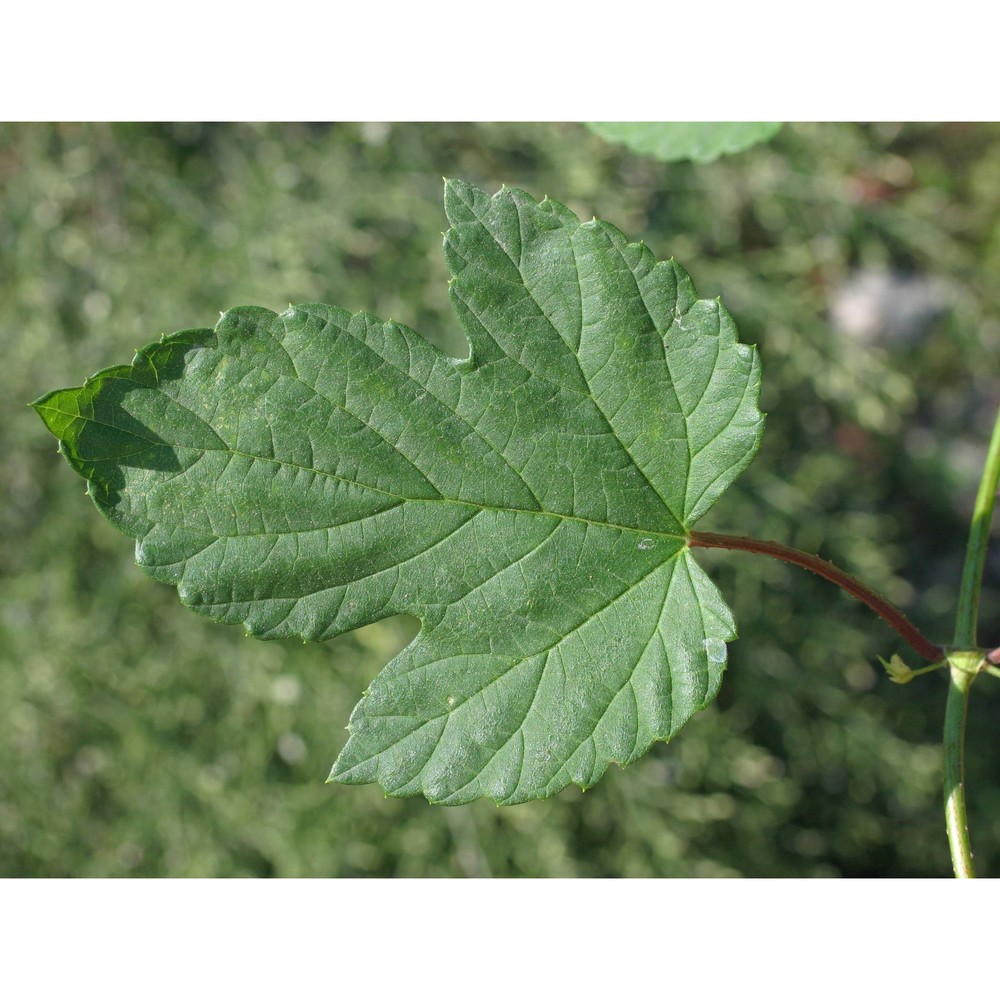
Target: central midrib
x=441, y=499
x=375, y=489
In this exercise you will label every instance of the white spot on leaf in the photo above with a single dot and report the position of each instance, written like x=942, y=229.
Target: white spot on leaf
x=716, y=650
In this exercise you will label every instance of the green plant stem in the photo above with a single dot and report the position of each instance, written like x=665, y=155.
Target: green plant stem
x=954, y=772
x=886, y=611
x=967, y=616
x=966, y=662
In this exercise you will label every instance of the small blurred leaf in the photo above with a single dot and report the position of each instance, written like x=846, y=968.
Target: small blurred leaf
x=698, y=141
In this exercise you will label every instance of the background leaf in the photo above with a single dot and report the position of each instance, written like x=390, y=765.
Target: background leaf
x=701, y=142
x=310, y=472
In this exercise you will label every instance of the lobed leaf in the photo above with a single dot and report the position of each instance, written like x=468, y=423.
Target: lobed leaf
x=308, y=472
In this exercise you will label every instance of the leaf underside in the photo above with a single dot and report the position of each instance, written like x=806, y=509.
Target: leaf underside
x=309, y=472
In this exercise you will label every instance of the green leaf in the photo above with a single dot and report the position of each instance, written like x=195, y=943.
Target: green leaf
x=698, y=141
x=310, y=472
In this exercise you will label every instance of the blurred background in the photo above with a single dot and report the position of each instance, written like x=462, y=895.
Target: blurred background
x=137, y=739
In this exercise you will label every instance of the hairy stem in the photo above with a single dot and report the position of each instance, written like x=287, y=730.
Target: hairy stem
x=886, y=611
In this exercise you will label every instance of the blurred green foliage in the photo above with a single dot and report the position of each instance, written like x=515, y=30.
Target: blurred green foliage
x=139, y=739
